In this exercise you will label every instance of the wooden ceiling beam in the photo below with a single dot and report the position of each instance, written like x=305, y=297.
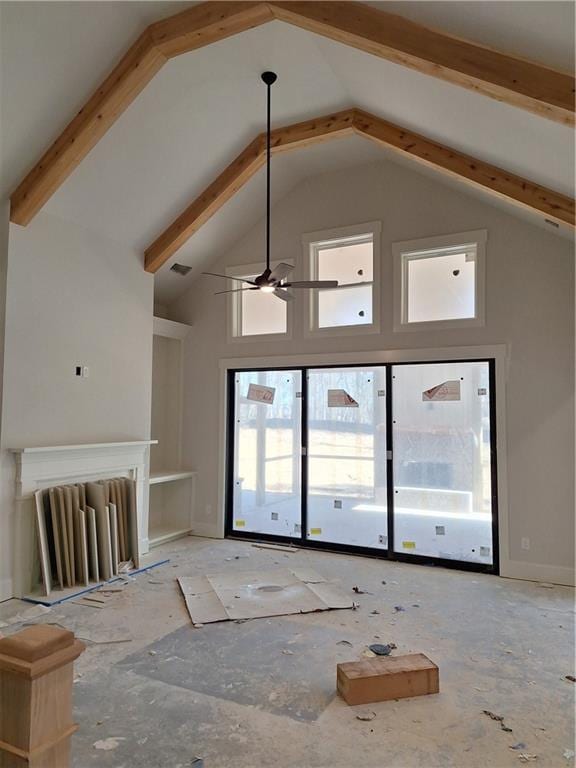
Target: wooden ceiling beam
x=196, y=27
x=238, y=173
x=509, y=79
x=506, y=78
x=552, y=205
x=534, y=197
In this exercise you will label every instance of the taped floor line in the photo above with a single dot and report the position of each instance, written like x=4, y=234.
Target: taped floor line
x=43, y=600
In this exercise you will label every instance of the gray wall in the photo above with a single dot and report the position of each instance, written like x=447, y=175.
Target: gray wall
x=529, y=307
x=72, y=298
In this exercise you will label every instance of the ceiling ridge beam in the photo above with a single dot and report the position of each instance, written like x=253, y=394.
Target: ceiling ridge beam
x=505, y=78
x=237, y=174
x=552, y=205
x=531, y=86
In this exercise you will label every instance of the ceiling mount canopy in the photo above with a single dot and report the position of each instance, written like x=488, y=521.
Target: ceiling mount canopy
x=272, y=280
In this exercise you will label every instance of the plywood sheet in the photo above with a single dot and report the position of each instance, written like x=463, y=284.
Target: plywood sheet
x=84, y=573
x=95, y=497
x=92, y=544
x=258, y=594
x=63, y=529
x=67, y=491
x=43, y=543
x=55, y=517
x=114, y=536
x=131, y=532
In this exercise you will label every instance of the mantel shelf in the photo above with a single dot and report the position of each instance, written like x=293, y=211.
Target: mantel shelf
x=82, y=446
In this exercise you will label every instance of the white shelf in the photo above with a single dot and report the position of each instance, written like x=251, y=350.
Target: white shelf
x=170, y=328
x=161, y=535
x=168, y=476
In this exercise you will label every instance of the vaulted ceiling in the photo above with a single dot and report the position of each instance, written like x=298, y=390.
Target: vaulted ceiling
x=205, y=106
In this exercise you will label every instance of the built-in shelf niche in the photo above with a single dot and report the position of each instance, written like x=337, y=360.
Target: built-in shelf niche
x=171, y=487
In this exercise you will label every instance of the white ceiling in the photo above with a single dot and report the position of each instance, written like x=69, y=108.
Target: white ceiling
x=204, y=107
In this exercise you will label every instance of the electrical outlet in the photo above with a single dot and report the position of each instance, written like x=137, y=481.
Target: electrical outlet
x=383, y=539
x=525, y=542
x=337, y=504
x=440, y=530
x=274, y=515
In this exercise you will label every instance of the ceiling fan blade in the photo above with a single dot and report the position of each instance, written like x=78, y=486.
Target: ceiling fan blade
x=229, y=277
x=283, y=294
x=312, y=284
x=236, y=290
x=280, y=272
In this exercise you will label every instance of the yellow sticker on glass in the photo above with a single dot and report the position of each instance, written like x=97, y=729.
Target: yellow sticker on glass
x=315, y=531
x=239, y=523
x=409, y=544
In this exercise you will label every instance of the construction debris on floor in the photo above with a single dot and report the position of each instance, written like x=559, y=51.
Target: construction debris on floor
x=259, y=594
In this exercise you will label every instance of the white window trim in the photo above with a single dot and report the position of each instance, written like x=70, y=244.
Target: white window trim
x=234, y=319
x=311, y=239
x=401, y=251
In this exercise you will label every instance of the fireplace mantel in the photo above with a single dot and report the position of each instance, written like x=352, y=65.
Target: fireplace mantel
x=39, y=467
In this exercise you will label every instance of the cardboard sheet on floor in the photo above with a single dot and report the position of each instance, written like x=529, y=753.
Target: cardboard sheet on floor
x=258, y=594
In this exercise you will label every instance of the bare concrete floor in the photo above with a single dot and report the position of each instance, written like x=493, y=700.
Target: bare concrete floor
x=231, y=695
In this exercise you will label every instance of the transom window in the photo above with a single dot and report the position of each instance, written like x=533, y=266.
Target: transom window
x=255, y=313
x=351, y=256
x=440, y=281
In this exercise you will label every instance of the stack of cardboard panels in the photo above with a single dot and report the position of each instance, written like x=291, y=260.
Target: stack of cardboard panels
x=86, y=532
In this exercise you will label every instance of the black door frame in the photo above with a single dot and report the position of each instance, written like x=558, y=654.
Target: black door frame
x=386, y=554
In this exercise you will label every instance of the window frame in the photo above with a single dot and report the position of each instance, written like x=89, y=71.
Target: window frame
x=408, y=250
x=234, y=320
x=312, y=242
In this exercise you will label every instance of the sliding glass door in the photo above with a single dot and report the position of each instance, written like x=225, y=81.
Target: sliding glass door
x=347, y=487
x=266, y=467
x=391, y=459
x=442, y=461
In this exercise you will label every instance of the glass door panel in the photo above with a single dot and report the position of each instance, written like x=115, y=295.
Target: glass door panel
x=442, y=461
x=346, y=456
x=267, y=451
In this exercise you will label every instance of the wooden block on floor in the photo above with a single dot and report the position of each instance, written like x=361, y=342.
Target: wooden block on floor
x=385, y=678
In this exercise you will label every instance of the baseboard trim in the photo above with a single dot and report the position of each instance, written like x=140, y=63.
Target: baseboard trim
x=206, y=530
x=551, y=574
x=6, y=589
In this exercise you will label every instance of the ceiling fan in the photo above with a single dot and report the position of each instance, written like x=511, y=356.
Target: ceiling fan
x=273, y=280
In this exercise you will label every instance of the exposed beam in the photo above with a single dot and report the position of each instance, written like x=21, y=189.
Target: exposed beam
x=233, y=178
x=552, y=205
x=199, y=26
x=506, y=78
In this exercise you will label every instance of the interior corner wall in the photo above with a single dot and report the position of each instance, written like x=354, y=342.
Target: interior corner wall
x=73, y=298
x=529, y=308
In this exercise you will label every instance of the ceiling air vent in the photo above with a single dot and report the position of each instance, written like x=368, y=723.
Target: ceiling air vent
x=180, y=269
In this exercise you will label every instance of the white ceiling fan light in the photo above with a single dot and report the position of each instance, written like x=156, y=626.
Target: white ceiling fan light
x=272, y=281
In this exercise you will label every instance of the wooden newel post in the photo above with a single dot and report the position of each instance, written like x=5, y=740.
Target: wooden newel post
x=36, y=678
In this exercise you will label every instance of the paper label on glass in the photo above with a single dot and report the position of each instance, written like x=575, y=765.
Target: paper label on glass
x=339, y=398
x=448, y=390
x=261, y=394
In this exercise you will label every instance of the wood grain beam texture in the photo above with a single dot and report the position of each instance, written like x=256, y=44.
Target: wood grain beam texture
x=505, y=78
x=512, y=80
x=496, y=181
x=241, y=170
x=199, y=26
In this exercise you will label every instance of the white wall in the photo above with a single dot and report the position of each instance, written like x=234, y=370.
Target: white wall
x=73, y=298
x=529, y=307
